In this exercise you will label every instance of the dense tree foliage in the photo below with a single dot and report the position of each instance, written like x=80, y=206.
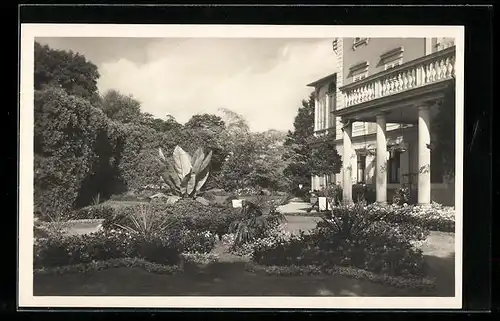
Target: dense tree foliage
x=324, y=159
x=298, y=170
x=88, y=145
x=65, y=131
x=307, y=155
x=119, y=107
x=67, y=70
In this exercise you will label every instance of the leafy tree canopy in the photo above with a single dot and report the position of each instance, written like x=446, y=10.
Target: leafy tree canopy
x=67, y=70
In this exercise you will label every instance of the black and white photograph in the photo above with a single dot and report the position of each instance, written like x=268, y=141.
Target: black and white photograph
x=241, y=166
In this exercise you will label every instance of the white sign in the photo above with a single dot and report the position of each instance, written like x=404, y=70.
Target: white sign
x=237, y=203
x=322, y=203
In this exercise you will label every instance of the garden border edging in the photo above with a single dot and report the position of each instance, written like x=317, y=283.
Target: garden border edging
x=293, y=270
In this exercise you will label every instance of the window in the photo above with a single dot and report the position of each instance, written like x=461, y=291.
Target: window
x=392, y=58
x=359, y=76
x=333, y=103
x=393, y=167
x=358, y=41
x=335, y=45
x=361, y=168
x=443, y=43
x=322, y=113
x=359, y=71
x=392, y=64
x=371, y=128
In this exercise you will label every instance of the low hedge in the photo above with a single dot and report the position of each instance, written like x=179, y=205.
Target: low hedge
x=112, y=263
x=59, y=249
x=294, y=270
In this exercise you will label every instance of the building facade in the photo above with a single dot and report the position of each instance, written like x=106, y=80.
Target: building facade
x=380, y=104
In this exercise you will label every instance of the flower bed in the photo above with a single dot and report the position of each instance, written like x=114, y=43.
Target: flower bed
x=353, y=236
x=434, y=216
x=59, y=249
x=111, y=263
x=294, y=270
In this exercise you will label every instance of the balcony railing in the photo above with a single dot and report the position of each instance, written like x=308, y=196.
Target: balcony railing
x=436, y=67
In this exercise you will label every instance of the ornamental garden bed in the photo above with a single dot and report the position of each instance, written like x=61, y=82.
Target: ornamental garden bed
x=380, y=258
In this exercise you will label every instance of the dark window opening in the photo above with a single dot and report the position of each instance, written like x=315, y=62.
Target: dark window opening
x=437, y=172
x=393, y=167
x=361, y=168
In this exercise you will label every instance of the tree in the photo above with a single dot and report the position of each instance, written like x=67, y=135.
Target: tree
x=206, y=122
x=298, y=170
x=308, y=155
x=117, y=106
x=67, y=70
x=269, y=164
x=65, y=131
x=324, y=159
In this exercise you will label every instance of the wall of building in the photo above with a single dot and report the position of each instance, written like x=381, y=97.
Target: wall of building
x=370, y=52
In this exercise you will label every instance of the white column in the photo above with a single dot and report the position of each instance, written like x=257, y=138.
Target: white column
x=381, y=163
x=346, y=163
x=327, y=111
x=316, y=113
x=312, y=183
x=316, y=182
x=424, y=156
x=321, y=114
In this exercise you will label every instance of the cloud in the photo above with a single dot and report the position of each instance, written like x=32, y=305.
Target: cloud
x=262, y=79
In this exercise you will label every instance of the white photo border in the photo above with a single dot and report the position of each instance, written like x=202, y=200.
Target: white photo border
x=29, y=32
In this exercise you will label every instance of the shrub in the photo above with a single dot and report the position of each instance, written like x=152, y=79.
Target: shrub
x=258, y=216
x=405, y=195
x=353, y=235
x=198, y=242
x=186, y=215
x=59, y=249
x=194, y=216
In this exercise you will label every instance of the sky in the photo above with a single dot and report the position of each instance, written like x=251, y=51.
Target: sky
x=262, y=79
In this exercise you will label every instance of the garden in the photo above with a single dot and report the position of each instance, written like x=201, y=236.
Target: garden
x=127, y=204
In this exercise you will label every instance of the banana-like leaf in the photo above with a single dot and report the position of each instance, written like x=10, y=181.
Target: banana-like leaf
x=181, y=162
x=168, y=178
x=191, y=184
x=171, y=178
x=162, y=157
x=202, y=178
x=184, y=183
x=198, y=158
x=206, y=161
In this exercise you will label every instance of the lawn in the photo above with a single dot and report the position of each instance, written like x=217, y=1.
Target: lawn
x=229, y=278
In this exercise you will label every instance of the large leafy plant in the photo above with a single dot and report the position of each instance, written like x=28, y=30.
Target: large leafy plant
x=186, y=175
